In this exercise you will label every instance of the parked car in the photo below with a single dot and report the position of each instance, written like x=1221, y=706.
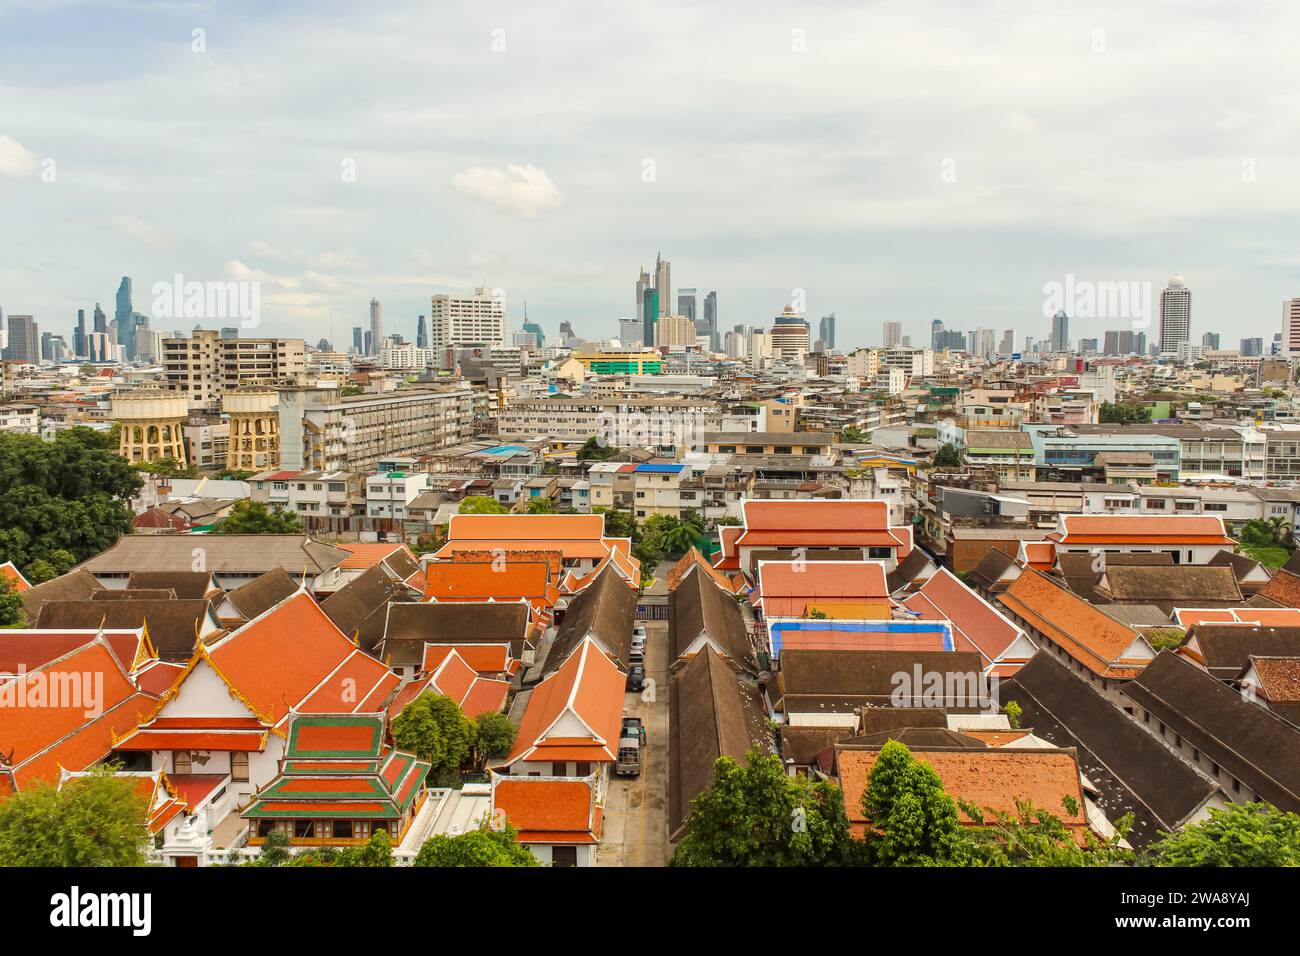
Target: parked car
x=636, y=677
x=630, y=743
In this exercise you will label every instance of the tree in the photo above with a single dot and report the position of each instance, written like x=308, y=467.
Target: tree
x=375, y=852
x=275, y=849
x=1034, y=837
x=167, y=468
x=482, y=505
x=64, y=497
x=433, y=728
x=1120, y=414
x=618, y=524
x=541, y=506
x=95, y=820
x=913, y=820
x=596, y=449
x=11, y=604
x=1014, y=713
x=757, y=815
x=234, y=474
x=254, y=517
x=494, y=735
x=1244, y=834
x=947, y=456
x=852, y=435
x=481, y=847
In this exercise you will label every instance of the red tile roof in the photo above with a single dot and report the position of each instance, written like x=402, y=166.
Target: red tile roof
x=15, y=577
x=976, y=624
x=793, y=588
x=546, y=809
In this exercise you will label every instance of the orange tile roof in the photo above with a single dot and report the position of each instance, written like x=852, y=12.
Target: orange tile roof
x=1087, y=634
x=281, y=658
x=574, y=536
x=10, y=573
x=483, y=658
x=589, y=688
x=993, y=778
x=488, y=580
x=695, y=559
x=544, y=805
x=454, y=677
x=1283, y=587
x=365, y=555
x=1266, y=616
x=1139, y=529
x=792, y=588
x=244, y=741
x=358, y=678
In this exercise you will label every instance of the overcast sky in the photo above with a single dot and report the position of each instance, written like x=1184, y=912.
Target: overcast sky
x=893, y=160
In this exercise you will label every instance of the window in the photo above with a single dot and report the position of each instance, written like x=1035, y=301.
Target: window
x=582, y=768
x=559, y=770
x=564, y=856
x=304, y=829
x=265, y=828
x=880, y=553
x=239, y=767
x=182, y=762
x=1155, y=504
x=343, y=829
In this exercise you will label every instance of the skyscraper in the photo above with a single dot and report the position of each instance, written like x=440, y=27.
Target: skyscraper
x=24, y=340
x=1060, y=332
x=79, y=335
x=101, y=320
x=649, y=316
x=711, y=318
x=826, y=330
x=1175, y=315
x=643, y=282
x=421, y=334
x=376, y=326
x=663, y=283
x=358, y=340
x=1210, y=340
x=686, y=303
x=1252, y=347
x=936, y=335
x=790, y=335
x=478, y=319
x=893, y=333
x=1008, y=345
x=122, y=314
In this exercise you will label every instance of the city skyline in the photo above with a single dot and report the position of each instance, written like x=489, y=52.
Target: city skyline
x=970, y=175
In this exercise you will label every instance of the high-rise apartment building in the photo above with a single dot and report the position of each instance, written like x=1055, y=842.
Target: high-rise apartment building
x=1252, y=348
x=478, y=319
x=204, y=365
x=1175, y=315
x=893, y=333
x=1291, y=327
x=686, y=303
x=711, y=316
x=1210, y=340
x=674, y=332
x=376, y=326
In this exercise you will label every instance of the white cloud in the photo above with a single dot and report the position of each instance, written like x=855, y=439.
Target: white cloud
x=523, y=191
x=141, y=231
x=16, y=160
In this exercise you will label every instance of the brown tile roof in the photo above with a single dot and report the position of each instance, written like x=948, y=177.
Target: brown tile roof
x=174, y=625
x=1283, y=588
x=361, y=606
x=408, y=627
x=1224, y=650
x=186, y=584
x=1258, y=748
x=1176, y=584
x=262, y=593
x=1132, y=770
x=605, y=610
x=698, y=606
x=711, y=714
x=862, y=678
x=76, y=585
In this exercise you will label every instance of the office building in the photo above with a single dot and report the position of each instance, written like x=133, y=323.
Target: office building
x=24, y=342
x=893, y=333
x=826, y=331
x=630, y=333
x=1210, y=340
x=1060, y=332
x=686, y=303
x=711, y=317
x=79, y=335
x=663, y=283
x=789, y=336
x=1252, y=348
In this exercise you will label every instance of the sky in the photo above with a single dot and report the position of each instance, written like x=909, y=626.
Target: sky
x=880, y=160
